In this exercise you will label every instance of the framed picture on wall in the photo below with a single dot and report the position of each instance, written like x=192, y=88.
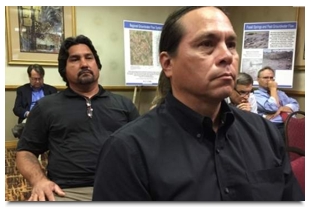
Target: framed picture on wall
x=34, y=33
x=300, y=44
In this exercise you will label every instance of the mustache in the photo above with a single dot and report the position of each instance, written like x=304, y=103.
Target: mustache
x=82, y=71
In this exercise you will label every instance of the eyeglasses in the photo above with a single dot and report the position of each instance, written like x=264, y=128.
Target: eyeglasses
x=89, y=109
x=36, y=79
x=267, y=78
x=243, y=93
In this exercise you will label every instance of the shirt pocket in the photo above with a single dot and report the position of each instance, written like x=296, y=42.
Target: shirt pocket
x=267, y=184
x=112, y=118
x=267, y=175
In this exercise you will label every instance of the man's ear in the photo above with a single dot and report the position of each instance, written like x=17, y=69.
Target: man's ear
x=166, y=63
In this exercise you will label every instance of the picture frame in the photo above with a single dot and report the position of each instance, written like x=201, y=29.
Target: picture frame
x=30, y=41
x=300, y=44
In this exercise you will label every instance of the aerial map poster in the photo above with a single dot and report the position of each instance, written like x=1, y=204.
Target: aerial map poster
x=141, y=43
x=270, y=44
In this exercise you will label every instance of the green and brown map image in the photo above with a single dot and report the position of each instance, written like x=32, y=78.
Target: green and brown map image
x=141, y=48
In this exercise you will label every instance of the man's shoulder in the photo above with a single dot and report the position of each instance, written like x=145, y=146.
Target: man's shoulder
x=139, y=133
x=281, y=91
x=258, y=91
x=58, y=96
x=118, y=99
x=252, y=97
x=245, y=115
x=117, y=96
x=47, y=86
x=249, y=118
x=23, y=87
x=145, y=124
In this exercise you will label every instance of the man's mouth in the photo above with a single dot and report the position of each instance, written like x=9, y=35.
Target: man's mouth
x=85, y=72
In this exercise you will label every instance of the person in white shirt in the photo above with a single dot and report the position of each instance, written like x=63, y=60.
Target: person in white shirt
x=242, y=96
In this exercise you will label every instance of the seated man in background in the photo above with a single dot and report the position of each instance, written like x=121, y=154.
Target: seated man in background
x=72, y=125
x=273, y=104
x=242, y=96
x=28, y=94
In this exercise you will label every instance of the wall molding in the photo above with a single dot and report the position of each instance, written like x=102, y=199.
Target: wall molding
x=11, y=144
x=299, y=93
x=110, y=88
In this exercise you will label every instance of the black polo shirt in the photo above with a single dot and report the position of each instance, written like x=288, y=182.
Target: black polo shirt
x=60, y=123
x=172, y=153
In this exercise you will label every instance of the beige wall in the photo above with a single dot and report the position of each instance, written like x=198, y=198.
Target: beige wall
x=104, y=25
x=10, y=118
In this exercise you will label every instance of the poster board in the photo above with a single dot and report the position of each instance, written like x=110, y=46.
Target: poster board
x=141, y=43
x=270, y=44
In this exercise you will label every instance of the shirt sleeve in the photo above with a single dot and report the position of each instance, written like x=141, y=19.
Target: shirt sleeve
x=130, y=108
x=288, y=101
x=133, y=114
x=19, y=108
x=34, y=138
x=265, y=103
x=253, y=102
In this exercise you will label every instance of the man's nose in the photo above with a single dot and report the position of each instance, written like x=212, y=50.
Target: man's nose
x=246, y=96
x=83, y=62
x=225, y=56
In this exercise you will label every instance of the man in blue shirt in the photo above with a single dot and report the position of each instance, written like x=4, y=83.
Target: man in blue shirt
x=28, y=94
x=273, y=103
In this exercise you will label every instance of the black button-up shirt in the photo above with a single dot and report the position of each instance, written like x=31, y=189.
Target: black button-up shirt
x=172, y=153
x=73, y=129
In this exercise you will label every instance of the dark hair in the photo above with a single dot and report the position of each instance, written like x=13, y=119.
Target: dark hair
x=63, y=53
x=164, y=87
x=37, y=68
x=172, y=31
x=265, y=68
x=244, y=79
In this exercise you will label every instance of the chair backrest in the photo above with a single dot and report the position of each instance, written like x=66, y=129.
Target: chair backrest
x=295, y=134
x=298, y=167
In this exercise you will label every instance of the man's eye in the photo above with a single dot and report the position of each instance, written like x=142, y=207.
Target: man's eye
x=207, y=44
x=231, y=45
x=73, y=59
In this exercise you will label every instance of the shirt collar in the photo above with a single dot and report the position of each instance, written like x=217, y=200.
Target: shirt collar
x=193, y=122
x=228, y=100
x=263, y=89
x=37, y=90
x=101, y=92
